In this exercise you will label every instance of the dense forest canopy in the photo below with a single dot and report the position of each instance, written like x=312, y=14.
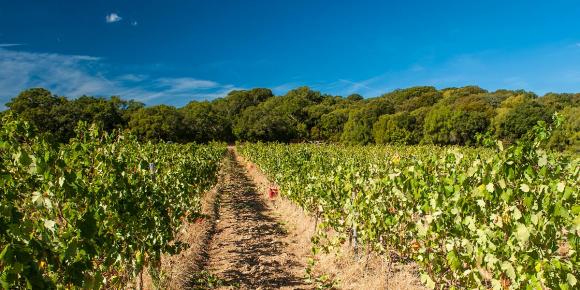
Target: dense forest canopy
x=417, y=115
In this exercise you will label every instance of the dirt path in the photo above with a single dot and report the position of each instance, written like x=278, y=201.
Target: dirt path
x=248, y=247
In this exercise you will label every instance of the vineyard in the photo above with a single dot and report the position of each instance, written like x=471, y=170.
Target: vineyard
x=95, y=212
x=503, y=218
x=98, y=211
x=292, y=145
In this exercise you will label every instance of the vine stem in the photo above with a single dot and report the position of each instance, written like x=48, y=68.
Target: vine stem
x=354, y=232
x=141, y=279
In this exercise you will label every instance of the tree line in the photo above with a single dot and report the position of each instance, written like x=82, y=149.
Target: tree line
x=416, y=115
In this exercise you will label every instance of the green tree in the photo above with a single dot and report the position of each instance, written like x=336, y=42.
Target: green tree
x=412, y=98
x=398, y=128
x=354, y=97
x=316, y=112
x=444, y=126
x=558, y=102
x=519, y=120
x=567, y=137
x=331, y=125
x=203, y=123
x=99, y=111
x=237, y=101
x=282, y=118
x=126, y=108
x=158, y=123
x=462, y=92
x=359, y=127
x=267, y=122
x=37, y=106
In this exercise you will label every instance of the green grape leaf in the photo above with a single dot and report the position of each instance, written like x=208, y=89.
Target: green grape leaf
x=509, y=270
x=522, y=233
x=426, y=279
x=571, y=279
x=489, y=187
x=517, y=214
x=524, y=187
x=542, y=161
x=49, y=224
x=561, y=186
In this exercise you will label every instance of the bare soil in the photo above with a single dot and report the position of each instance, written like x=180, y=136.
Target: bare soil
x=248, y=249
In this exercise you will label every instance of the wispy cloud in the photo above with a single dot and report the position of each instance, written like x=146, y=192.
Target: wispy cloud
x=10, y=44
x=134, y=23
x=113, y=17
x=168, y=90
x=284, y=88
x=132, y=77
x=345, y=87
x=184, y=84
x=76, y=75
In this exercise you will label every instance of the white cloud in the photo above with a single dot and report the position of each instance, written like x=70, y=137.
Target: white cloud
x=113, y=17
x=134, y=23
x=285, y=88
x=132, y=77
x=10, y=44
x=62, y=73
x=371, y=87
x=182, y=84
x=76, y=75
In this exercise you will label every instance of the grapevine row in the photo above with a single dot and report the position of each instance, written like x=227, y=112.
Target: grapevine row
x=94, y=212
x=471, y=218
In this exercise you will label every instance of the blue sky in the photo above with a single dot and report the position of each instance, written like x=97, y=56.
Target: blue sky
x=173, y=52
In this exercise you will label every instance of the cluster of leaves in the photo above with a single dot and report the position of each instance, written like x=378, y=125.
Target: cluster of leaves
x=507, y=218
x=417, y=115
x=96, y=211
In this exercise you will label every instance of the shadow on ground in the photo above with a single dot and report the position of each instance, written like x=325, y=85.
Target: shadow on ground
x=245, y=248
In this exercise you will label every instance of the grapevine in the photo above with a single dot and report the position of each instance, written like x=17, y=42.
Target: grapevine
x=95, y=212
x=507, y=218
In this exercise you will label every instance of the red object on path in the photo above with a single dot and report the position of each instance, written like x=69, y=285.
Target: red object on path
x=272, y=192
